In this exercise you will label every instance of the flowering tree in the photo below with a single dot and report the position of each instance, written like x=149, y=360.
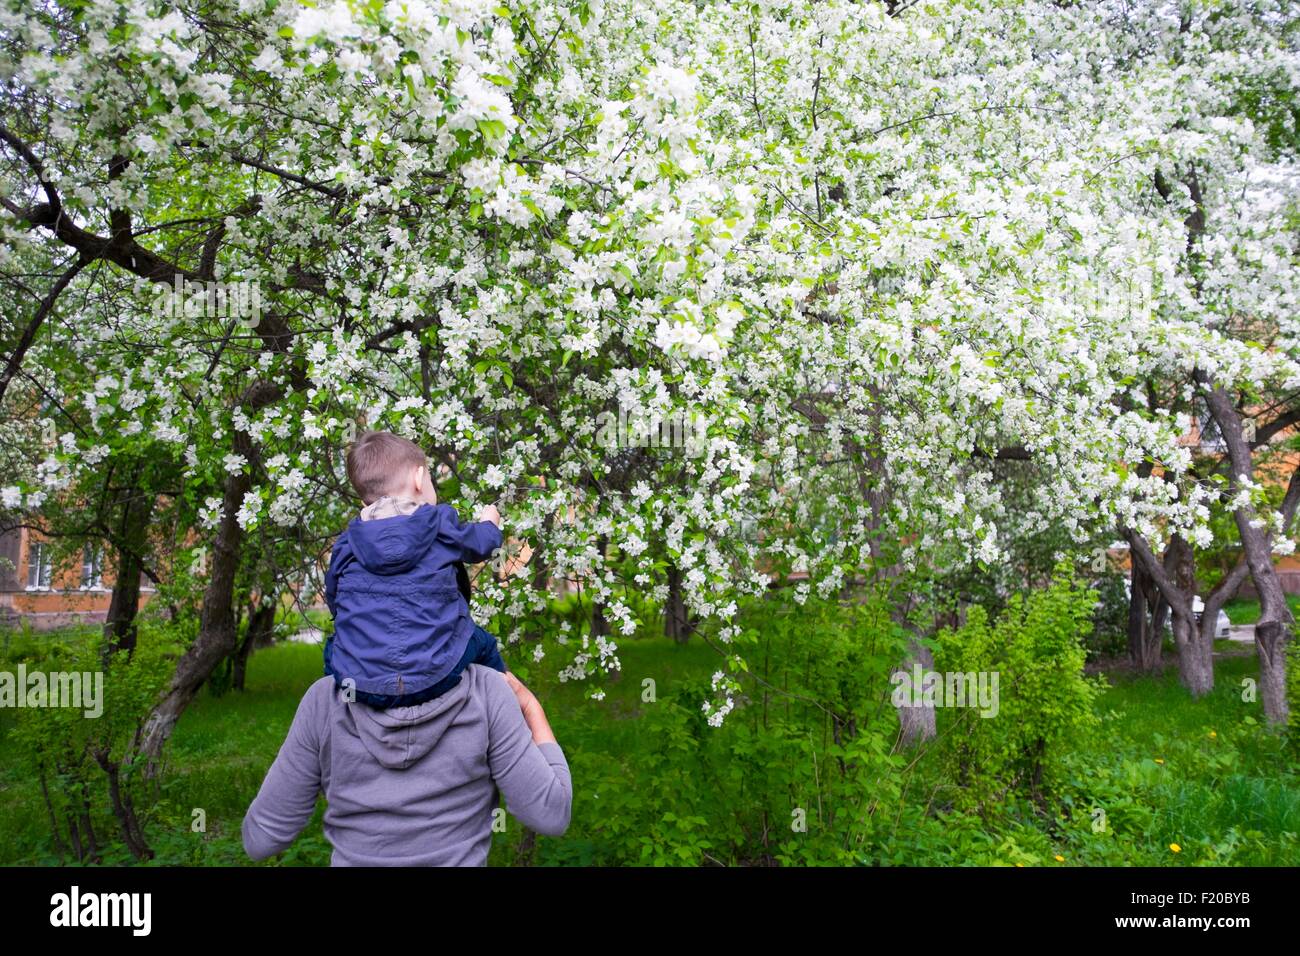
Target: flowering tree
x=996, y=282
x=1210, y=116
x=890, y=260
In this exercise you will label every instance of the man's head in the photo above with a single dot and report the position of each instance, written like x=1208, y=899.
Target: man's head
x=381, y=463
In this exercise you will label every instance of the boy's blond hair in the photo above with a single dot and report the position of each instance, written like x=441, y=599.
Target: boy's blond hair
x=375, y=460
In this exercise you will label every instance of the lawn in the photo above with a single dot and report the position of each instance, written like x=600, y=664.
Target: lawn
x=1201, y=773
x=1167, y=770
x=222, y=747
x=1246, y=610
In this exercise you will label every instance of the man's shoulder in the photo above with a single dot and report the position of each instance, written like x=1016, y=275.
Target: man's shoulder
x=487, y=682
x=481, y=674
x=320, y=694
x=314, y=710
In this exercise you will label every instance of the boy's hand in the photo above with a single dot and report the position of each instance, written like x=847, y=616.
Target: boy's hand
x=490, y=513
x=527, y=699
x=534, y=716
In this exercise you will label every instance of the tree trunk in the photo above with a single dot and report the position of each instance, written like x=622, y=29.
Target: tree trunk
x=1154, y=641
x=87, y=829
x=119, y=624
x=1195, y=658
x=1274, y=628
x=56, y=837
x=917, y=723
x=599, y=624
x=1175, y=579
x=132, y=834
x=676, y=620
x=218, y=635
x=133, y=537
x=541, y=573
x=527, y=846
x=1137, y=614
x=1195, y=654
x=541, y=583
x=261, y=625
x=1146, y=612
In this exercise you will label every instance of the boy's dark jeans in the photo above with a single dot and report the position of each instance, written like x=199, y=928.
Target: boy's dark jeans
x=480, y=649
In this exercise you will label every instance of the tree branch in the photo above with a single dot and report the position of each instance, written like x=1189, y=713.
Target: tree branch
x=29, y=334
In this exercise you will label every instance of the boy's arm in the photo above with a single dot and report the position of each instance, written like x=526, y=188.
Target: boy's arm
x=287, y=799
x=474, y=541
x=337, y=553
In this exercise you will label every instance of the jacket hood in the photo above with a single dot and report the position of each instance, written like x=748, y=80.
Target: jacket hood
x=394, y=545
x=401, y=736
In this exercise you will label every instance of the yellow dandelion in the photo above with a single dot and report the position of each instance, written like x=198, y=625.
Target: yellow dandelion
x=1059, y=858
x=1159, y=761
x=1213, y=734
x=1176, y=848
x=1019, y=864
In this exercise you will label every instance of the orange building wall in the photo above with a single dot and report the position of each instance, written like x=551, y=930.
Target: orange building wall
x=64, y=602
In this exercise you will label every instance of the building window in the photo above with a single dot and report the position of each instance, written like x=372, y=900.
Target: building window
x=40, y=566
x=92, y=568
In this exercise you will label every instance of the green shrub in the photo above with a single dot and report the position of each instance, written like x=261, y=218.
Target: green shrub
x=1109, y=635
x=1045, y=705
x=90, y=782
x=800, y=773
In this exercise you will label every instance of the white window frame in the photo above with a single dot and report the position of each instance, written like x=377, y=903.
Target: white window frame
x=40, y=560
x=92, y=559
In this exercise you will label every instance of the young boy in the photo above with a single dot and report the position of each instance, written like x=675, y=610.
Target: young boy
x=396, y=585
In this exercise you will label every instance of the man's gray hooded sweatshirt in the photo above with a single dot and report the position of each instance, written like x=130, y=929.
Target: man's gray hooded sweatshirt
x=410, y=786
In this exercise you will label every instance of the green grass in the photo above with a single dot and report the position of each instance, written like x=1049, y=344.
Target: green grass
x=27, y=642
x=1246, y=610
x=1210, y=777
x=1226, y=790
x=222, y=747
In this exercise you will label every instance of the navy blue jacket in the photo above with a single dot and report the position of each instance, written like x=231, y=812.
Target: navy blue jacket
x=401, y=621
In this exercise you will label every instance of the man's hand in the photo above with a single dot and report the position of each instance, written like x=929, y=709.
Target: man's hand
x=490, y=513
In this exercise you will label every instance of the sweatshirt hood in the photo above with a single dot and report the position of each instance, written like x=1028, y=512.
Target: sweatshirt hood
x=400, y=736
x=396, y=544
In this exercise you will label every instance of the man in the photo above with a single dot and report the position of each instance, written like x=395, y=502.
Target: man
x=414, y=785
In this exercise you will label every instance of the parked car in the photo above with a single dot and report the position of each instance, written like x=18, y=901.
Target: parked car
x=1222, y=625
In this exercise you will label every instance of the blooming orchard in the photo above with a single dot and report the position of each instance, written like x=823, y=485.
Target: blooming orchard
x=908, y=264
